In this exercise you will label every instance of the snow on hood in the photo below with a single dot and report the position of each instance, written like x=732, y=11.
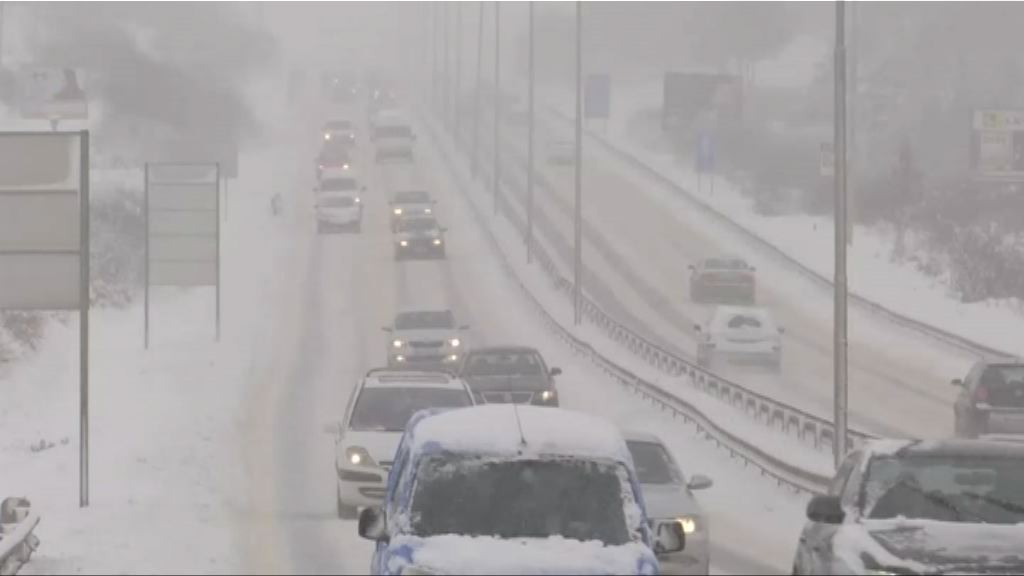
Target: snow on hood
x=926, y=546
x=669, y=501
x=380, y=445
x=451, y=554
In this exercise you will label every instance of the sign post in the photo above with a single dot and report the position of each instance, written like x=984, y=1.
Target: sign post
x=705, y=159
x=44, y=241
x=182, y=228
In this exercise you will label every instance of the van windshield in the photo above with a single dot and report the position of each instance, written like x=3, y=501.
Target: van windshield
x=575, y=499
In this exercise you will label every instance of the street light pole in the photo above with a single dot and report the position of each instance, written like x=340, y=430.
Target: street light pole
x=476, y=95
x=497, y=103
x=839, y=446
x=578, y=220
x=446, y=80
x=458, y=70
x=529, y=144
x=433, y=50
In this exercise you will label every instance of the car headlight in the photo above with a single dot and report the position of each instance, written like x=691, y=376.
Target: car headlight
x=547, y=395
x=403, y=243
x=358, y=456
x=397, y=343
x=359, y=200
x=344, y=166
x=689, y=524
x=398, y=211
x=428, y=211
x=453, y=358
x=437, y=241
x=455, y=342
x=327, y=136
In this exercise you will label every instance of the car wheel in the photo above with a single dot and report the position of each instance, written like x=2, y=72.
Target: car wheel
x=346, y=512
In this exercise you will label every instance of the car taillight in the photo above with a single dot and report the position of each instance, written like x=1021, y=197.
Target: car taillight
x=981, y=394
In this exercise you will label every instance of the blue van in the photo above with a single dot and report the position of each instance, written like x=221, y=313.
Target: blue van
x=511, y=489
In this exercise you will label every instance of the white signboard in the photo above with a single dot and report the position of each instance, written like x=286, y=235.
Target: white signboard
x=53, y=94
x=997, y=145
x=41, y=202
x=183, y=224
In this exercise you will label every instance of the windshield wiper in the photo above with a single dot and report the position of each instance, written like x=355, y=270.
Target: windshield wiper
x=997, y=502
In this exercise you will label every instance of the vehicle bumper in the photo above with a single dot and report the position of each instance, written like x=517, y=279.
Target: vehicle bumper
x=441, y=358
x=420, y=251
x=362, y=487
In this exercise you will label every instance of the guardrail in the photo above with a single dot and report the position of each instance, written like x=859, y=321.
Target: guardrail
x=722, y=218
x=17, y=542
x=775, y=414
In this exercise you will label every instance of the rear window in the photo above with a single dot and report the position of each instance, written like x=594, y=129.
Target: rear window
x=425, y=320
x=725, y=264
x=1004, y=385
x=741, y=321
x=653, y=466
x=412, y=197
x=393, y=132
x=512, y=362
x=339, y=125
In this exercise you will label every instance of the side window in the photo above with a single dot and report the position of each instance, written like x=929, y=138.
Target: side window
x=842, y=475
x=351, y=402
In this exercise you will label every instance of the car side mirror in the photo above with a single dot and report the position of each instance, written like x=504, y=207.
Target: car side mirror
x=373, y=524
x=699, y=482
x=669, y=537
x=555, y=371
x=825, y=510
x=957, y=382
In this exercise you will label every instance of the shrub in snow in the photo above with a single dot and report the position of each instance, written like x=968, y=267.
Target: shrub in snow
x=118, y=245
x=19, y=332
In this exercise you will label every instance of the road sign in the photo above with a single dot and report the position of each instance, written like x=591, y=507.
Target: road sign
x=182, y=228
x=997, y=145
x=597, y=96
x=53, y=94
x=827, y=159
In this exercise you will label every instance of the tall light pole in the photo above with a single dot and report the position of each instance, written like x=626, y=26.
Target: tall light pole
x=529, y=144
x=840, y=341
x=577, y=289
x=476, y=95
x=446, y=80
x=458, y=70
x=433, y=50
x=497, y=103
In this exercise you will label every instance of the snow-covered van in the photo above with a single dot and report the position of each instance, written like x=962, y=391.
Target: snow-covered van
x=507, y=489
x=393, y=138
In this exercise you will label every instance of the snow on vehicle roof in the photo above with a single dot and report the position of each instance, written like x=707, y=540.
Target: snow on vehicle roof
x=493, y=430
x=638, y=436
x=410, y=379
x=949, y=447
x=730, y=311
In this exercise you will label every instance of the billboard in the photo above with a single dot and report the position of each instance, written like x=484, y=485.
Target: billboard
x=43, y=192
x=53, y=94
x=182, y=203
x=597, y=96
x=997, y=145
x=687, y=97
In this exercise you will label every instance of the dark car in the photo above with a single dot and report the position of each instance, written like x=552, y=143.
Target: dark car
x=919, y=507
x=419, y=237
x=510, y=374
x=991, y=399
x=724, y=280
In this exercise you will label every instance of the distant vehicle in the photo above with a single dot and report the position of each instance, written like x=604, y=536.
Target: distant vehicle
x=561, y=151
x=341, y=181
x=725, y=280
x=510, y=374
x=669, y=498
x=426, y=337
x=342, y=130
x=410, y=203
x=740, y=334
x=338, y=211
x=991, y=399
x=419, y=237
x=514, y=490
x=394, y=140
x=377, y=412
x=919, y=507
x=334, y=154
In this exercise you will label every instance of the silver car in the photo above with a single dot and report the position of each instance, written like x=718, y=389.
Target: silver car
x=669, y=497
x=409, y=203
x=426, y=338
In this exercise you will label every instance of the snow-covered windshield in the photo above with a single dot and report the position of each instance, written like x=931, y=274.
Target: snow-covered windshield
x=504, y=363
x=575, y=499
x=652, y=464
x=441, y=319
x=976, y=489
x=389, y=409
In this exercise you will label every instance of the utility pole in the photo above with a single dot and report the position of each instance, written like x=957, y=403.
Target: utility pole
x=446, y=81
x=853, y=160
x=456, y=104
x=840, y=341
x=497, y=103
x=529, y=144
x=577, y=289
x=476, y=96
x=433, y=51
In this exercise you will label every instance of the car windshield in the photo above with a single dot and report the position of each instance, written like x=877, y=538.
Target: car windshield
x=393, y=132
x=425, y=320
x=961, y=488
x=338, y=202
x=572, y=498
x=508, y=363
x=415, y=197
x=333, y=184
x=725, y=264
x=652, y=463
x=339, y=125
x=1004, y=385
x=741, y=321
x=417, y=225
x=389, y=409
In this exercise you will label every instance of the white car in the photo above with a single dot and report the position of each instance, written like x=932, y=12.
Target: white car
x=338, y=211
x=740, y=334
x=339, y=129
x=377, y=413
x=669, y=498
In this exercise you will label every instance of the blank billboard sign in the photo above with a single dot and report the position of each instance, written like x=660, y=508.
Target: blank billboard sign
x=41, y=197
x=183, y=224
